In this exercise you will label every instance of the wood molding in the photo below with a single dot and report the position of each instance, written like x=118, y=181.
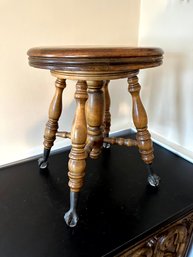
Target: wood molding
x=94, y=59
x=170, y=241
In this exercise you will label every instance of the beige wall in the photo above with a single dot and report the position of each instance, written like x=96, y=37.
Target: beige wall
x=26, y=92
x=168, y=95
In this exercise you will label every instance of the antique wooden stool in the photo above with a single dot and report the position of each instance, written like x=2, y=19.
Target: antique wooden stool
x=93, y=68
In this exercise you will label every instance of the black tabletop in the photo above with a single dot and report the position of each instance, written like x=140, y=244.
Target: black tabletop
x=116, y=205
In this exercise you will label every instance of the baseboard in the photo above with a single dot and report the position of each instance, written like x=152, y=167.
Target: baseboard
x=173, y=147
x=58, y=147
x=158, y=139
x=36, y=152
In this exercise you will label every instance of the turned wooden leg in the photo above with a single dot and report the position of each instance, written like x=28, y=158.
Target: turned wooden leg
x=143, y=136
x=77, y=163
x=107, y=114
x=52, y=124
x=95, y=114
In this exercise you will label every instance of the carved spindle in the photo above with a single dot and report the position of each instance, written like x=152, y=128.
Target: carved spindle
x=95, y=114
x=143, y=136
x=120, y=141
x=78, y=138
x=140, y=120
x=52, y=124
x=107, y=114
x=54, y=114
x=63, y=134
x=77, y=155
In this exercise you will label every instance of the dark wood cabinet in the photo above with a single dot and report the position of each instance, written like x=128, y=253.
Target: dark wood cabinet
x=172, y=239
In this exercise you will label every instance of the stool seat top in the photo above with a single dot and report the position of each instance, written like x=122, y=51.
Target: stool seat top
x=93, y=52
x=94, y=59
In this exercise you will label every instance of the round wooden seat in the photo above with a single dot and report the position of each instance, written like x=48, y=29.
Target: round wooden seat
x=111, y=62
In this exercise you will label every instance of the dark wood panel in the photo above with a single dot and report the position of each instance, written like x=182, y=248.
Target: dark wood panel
x=173, y=240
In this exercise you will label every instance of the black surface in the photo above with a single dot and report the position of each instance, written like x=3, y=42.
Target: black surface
x=116, y=204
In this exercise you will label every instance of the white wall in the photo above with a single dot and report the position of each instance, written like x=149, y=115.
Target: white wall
x=168, y=94
x=26, y=92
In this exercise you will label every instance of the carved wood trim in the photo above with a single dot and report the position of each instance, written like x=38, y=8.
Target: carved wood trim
x=170, y=241
x=90, y=75
x=92, y=59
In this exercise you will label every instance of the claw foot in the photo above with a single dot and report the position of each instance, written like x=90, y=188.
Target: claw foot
x=71, y=218
x=106, y=145
x=42, y=164
x=153, y=180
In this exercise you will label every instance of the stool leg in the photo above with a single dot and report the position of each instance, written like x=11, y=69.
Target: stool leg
x=107, y=114
x=143, y=136
x=52, y=124
x=77, y=154
x=95, y=115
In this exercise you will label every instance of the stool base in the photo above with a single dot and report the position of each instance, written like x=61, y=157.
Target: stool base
x=90, y=132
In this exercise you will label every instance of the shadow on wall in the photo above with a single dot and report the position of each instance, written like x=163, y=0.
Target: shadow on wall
x=65, y=120
x=167, y=95
x=120, y=104
x=169, y=89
